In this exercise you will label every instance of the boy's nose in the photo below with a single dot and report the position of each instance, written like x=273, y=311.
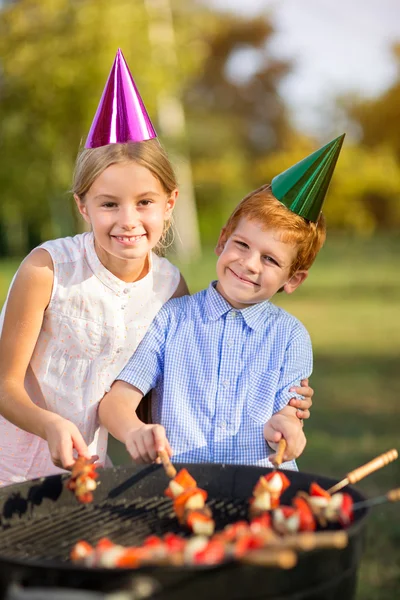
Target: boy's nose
x=251, y=263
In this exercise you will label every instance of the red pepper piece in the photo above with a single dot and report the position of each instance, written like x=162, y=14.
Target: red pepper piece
x=81, y=550
x=317, y=490
x=346, y=510
x=262, y=522
x=184, y=479
x=174, y=543
x=307, y=521
x=212, y=554
x=153, y=541
x=180, y=501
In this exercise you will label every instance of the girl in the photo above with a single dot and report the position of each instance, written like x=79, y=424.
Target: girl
x=78, y=307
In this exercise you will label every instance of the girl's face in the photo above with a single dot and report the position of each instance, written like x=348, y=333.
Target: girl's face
x=126, y=207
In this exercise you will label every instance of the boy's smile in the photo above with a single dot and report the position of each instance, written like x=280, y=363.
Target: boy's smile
x=254, y=264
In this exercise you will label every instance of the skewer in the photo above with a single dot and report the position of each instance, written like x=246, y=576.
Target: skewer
x=278, y=459
x=285, y=559
x=310, y=540
x=361, y=472
x=392, y=496
x=168, y=466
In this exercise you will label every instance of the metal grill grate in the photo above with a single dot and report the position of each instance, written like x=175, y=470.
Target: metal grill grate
x=51, y=536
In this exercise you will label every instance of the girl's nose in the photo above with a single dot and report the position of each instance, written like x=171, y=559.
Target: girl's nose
x=128, y=217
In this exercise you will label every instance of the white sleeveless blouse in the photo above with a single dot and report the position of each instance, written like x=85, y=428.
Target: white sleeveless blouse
x=93, y=324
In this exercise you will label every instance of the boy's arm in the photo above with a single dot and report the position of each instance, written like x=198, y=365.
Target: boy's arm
x=117, y=409
x=297, y=365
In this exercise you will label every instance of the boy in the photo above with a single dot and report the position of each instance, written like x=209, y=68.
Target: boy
x=222, y=361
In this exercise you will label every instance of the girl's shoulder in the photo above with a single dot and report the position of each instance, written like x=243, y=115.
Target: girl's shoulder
x=165, y=274
x=67, y=249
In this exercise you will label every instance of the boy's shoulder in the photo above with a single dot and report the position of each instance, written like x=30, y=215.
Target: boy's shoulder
x=185, y=305
x=286, y=319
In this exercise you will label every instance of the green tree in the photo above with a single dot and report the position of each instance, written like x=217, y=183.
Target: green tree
x=55, y=56
x=378, y=119
x=234, y=115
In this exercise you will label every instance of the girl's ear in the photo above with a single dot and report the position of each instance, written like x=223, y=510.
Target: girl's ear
x=82, y=208
x=295, y=281
x=170, y=204
x=221, y=242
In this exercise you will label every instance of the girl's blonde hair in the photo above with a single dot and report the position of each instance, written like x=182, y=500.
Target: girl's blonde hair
x=91, y=162
x=262, y=206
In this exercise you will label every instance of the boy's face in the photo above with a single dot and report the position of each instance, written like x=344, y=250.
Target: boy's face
x=254, y=264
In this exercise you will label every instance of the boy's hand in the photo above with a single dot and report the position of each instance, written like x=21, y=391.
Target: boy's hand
x=144, y=442
x=63, y=437
x=304, y=405
x=291, y=429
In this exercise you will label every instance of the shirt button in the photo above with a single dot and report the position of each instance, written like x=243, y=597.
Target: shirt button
x=223, y=424
x=225, y=383
x=118, y=350
x=233, y=313
x=230, y=343
x=126, y=291
x=123, y=307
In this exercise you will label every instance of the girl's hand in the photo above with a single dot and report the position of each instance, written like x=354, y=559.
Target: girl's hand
x=304, y=405
x=63, y=437
x=145, y=442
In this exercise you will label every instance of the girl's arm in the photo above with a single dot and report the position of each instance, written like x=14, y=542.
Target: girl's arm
x=181, y=290
x=27, y=301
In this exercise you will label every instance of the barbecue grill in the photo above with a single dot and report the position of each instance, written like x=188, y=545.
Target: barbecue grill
x=41, y=521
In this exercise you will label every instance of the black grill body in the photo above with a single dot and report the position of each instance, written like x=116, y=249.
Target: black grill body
x=41, y=521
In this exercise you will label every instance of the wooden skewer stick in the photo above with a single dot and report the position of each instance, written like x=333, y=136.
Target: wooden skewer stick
x=392, y=496
x=167, y=464
x=278, y=460
x=310, y=540
x=285, y=559
x=364, y=470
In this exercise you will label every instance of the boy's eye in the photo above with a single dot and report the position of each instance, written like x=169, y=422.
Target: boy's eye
x=269, y=259
x=241, y=244
x=109, y=204
x=145, y=202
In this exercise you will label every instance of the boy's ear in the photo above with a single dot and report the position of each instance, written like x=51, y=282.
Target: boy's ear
x=82, y=208
x=295, y=281
x=221, y=242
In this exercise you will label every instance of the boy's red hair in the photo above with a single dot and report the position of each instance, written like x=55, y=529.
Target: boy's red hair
x=262, y=206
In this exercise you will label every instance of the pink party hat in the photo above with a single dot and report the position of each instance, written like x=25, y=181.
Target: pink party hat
x=121, y=115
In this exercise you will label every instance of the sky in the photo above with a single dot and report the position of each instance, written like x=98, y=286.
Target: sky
x=337, y=46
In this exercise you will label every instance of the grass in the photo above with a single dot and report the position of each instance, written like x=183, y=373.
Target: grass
x=350, y=305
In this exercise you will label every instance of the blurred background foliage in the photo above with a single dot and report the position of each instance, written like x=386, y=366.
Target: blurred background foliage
x=55, y=56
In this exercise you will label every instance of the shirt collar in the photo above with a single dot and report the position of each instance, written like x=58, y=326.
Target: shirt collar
x=254, y=316
x=106, y=277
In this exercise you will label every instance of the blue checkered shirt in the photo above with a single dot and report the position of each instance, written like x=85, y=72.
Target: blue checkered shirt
x=219, y=374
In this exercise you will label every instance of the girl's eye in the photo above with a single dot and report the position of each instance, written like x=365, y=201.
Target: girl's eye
x=241, y=244
x=109, y=204
x=145, y=202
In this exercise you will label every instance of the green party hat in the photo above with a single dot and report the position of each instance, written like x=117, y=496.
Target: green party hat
x=302, y=187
